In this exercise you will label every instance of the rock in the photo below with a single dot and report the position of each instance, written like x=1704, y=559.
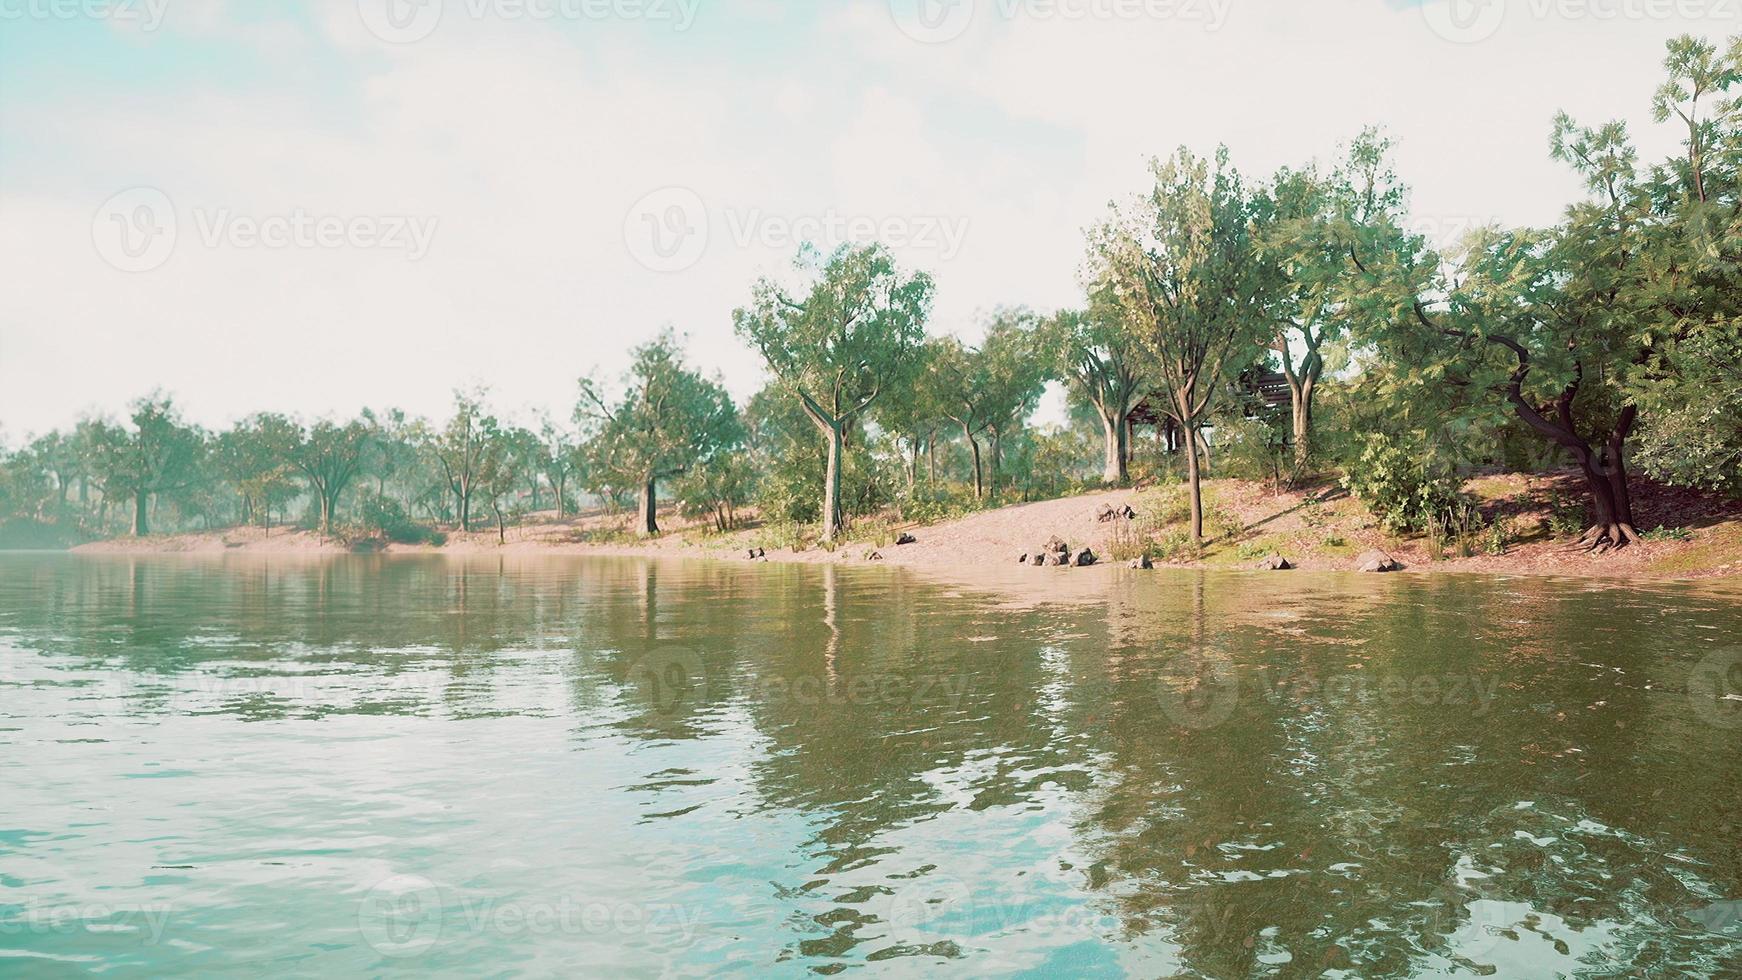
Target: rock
x=1105, y=513
x=1055, y=545
x=1377, y=561
x=1273, y=562
x=1037, y=559
x=1145, y=562
x=756, y=553
x=1023, y=560
x=905, y=538
x=1084, y=558
x=873, y=556
x=1128, y=513
x=1056, y=559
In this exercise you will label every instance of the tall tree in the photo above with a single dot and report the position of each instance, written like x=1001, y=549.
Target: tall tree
x=1304, y=223
x=460, y=450
x=330, y=456
x=668, y=420
x=1180, y=263
x=160, y=453
x=1104, y=362
x=853, y=334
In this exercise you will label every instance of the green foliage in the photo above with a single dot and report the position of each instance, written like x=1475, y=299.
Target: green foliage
x=1401, y=487
x=1661, y=533
x=386, y=517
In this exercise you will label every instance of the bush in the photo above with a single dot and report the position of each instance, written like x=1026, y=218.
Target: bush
x=1399, y=486
x=385, y=516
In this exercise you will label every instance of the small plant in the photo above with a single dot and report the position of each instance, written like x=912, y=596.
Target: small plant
x=1496, y=539
x=1566, y=518
x=1251, y=551
x=1435, y=546
x=1314, y=515
x=1661, y=533
x=1335, y=540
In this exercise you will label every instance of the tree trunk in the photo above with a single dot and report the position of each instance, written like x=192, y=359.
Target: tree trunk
x=501, y=525
x=832, y=521
x=1194, y=482
x=974, y=445
x=141, y=523
x=1301, y=396
x=647, y=509
x=1117, y=469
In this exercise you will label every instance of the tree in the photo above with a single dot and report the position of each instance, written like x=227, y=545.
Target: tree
x=557, y=460
x=852, y=336
x=330, y=456
x=254, y=458
x=1304, y=224
x=1103, y=363
x=957, y=376
x=1180, y=264
x=159, y=454
x=460, y=450
x=1015, y=372
x=668, y=420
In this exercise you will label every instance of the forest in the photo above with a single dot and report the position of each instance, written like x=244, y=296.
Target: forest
x=1284, y=328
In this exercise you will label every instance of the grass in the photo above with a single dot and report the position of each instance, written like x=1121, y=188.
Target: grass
x=1720, y=548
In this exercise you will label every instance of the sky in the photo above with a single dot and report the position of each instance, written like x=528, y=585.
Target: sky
x=312, y=207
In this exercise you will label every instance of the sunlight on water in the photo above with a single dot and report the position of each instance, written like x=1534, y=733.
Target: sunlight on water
x=636, y=768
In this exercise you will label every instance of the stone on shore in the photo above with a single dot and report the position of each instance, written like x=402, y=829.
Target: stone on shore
x=1144, y=562
x=1085, y=558
x=1274, y=563
x=1377, y=561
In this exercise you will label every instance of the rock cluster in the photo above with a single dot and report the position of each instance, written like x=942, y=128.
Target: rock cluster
x=1058, y=553
x=756, y=553
x=1273, y=563
x=1109, y=513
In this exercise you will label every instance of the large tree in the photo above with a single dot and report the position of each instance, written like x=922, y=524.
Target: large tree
x=668, y=420
x=1180, y=263
x=1303, y=223
x=1104, y=362
x=330, y=456
x=160, y=453
x=1567, y=328
x=461, y=450
x=852, y=334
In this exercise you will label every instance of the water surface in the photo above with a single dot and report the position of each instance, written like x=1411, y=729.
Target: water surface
x=337, y=766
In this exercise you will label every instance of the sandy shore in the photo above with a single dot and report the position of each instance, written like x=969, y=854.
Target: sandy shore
x=1319, y=529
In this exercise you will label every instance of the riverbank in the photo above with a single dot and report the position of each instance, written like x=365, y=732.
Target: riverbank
x=1530, y=520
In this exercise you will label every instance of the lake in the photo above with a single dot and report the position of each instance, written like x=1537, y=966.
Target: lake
x=624, y=767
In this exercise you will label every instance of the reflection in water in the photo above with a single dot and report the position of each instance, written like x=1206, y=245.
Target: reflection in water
x=533, y=764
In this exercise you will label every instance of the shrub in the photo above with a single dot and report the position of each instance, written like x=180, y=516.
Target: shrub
x=1401, y=488
x=1661, y=533
x=387, y=517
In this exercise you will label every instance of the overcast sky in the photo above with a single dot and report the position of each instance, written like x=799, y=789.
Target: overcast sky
x=314, y=206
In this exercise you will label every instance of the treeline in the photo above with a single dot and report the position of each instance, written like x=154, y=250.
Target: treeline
x=1609, y=342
